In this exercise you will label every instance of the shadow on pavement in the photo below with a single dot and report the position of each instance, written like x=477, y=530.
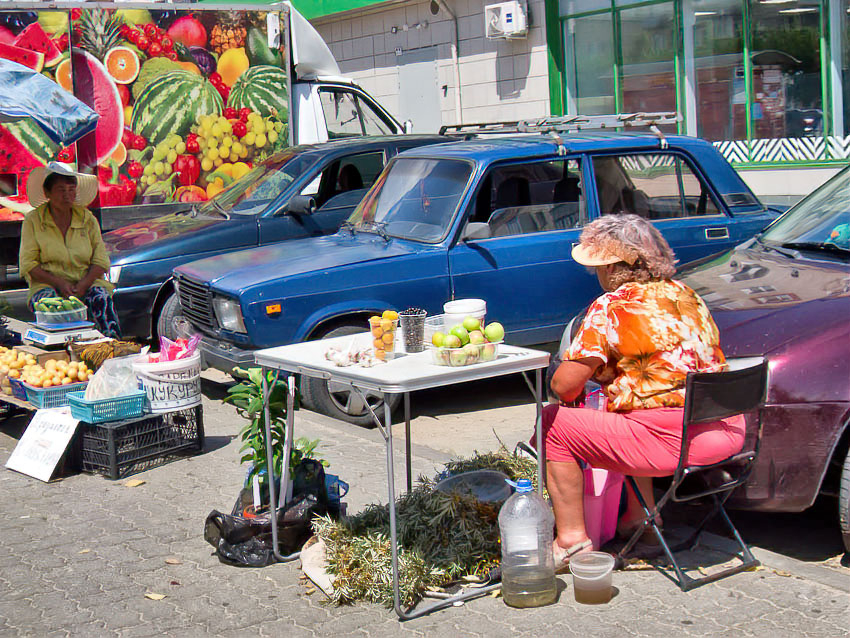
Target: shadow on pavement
x=474, y=396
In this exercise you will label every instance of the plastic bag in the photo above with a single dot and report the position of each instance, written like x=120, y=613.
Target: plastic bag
x=115, y=378
x=247, y=542
x=173, y=350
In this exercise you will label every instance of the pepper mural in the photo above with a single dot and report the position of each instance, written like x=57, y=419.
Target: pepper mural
x=188, y=100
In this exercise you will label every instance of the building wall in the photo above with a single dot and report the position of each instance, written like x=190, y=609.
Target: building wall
x=493, y=80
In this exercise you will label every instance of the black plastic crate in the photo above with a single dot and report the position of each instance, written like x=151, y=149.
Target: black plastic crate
x=120, y=448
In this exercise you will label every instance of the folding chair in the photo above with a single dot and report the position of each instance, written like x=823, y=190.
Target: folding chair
x=710, y=396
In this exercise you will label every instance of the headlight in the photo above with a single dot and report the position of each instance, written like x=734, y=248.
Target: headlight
x=114, y=274
x=229, y=314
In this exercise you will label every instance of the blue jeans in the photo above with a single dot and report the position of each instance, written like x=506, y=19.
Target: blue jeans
x=100, y=307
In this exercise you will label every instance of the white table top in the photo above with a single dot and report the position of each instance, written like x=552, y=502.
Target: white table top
x=404, y=373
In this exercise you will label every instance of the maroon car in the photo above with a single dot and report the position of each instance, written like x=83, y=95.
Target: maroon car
x=785, y=294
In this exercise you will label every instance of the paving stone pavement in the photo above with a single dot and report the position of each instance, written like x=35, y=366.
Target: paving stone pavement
x=77, y=557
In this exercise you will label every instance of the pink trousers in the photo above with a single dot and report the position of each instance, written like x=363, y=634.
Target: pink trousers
x=637, y=443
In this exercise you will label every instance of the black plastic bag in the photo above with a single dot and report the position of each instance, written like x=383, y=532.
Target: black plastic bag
x=247, y=542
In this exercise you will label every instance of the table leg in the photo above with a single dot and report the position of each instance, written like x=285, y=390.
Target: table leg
x=290, y=426
x=541, y=456
x=407, y=441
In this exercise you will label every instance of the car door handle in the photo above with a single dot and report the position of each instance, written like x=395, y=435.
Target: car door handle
x=717, y=233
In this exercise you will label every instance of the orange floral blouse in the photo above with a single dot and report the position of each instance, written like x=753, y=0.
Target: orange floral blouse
x=650, y=335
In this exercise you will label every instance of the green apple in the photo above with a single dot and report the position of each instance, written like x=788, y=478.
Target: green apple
x=472, y=352
x=488, y=352
x=438, y=339
x=476, y=336
x=452, y=341
x=471, y=323
x=461, y=333
x=458, y=357
x=494, y=332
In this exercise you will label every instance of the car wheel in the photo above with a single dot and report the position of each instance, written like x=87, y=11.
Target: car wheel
x=340, y=401
x=844, y=502
x=165, y=320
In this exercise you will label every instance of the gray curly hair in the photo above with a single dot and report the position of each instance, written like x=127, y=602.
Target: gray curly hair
x=646, y=254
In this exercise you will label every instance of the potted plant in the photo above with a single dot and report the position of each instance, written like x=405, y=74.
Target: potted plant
x=247, y=398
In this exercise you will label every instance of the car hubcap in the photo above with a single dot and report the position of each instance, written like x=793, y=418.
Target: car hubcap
x=351, y=402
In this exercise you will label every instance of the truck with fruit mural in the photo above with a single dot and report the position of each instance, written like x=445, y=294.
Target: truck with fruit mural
x=189, y=97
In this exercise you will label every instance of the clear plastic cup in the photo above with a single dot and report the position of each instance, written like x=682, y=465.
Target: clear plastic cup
x=412, y=326
x=592, y=577
x=383, y=337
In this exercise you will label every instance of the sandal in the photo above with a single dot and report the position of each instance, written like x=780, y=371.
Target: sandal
x=562, y=556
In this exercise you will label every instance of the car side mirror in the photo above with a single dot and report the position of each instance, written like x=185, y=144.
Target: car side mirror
x=408, y=126
x=299, y=205
x=476, y=230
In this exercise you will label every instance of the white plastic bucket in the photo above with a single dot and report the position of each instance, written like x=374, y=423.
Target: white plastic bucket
x=171, y=385
x=456, y=311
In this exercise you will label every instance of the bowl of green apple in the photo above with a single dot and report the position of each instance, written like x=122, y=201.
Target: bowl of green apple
x=466, y=343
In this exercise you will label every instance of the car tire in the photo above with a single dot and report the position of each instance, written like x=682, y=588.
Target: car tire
x=844, y=502
x=165, y=321
x=340, y=402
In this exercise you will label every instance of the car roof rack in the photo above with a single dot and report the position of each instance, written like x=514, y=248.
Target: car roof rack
x=567, y=123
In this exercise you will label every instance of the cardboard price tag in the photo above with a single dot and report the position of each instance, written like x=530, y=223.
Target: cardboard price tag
x=43, y=443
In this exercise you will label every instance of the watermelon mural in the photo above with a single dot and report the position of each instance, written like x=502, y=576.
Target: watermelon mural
x=188, y=100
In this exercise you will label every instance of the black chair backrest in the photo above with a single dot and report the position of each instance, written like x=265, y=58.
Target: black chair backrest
x=566, y=190
x=711, y=396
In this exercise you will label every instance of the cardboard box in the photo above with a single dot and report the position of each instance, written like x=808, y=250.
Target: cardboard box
x=41, y=355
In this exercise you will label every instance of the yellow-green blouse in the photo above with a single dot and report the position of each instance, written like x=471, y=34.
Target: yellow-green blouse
x=70, y=257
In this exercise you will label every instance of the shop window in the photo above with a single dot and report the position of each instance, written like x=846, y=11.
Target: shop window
x=532, y=198
x=590, y=57
x=648, y=50
x=787, y=98
x=653, y=185
x=719, y=67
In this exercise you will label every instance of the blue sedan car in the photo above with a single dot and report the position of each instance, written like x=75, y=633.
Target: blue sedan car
x=271, y=203
x=485, y=218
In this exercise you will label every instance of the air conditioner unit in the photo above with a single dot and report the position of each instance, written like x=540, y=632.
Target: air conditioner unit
x=505, y=20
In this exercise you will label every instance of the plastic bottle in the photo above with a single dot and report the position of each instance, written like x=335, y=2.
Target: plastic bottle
x=528, y=569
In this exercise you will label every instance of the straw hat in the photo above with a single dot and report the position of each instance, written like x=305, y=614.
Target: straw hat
x=597, y=256
x=86, y=184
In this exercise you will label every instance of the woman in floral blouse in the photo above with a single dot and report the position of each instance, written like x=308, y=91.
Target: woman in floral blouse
x=639, y=340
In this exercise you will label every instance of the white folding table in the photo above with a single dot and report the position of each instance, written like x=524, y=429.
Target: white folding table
x=402, y=375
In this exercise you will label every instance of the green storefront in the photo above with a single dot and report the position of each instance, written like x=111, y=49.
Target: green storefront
x=766, y=80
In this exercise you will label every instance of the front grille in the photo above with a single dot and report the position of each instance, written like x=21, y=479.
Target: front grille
x=196, y=303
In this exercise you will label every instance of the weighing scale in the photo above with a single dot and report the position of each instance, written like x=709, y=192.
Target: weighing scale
x=56, y=335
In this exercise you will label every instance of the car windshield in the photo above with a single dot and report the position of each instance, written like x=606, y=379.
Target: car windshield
x=822, y=219
x=413, y=199
x=254, y=191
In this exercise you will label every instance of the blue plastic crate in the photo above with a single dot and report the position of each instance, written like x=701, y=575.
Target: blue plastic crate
x=100, y=410
x=53, y=397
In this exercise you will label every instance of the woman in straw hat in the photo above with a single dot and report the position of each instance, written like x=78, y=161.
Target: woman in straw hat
x=638, y=341
x=62, y=252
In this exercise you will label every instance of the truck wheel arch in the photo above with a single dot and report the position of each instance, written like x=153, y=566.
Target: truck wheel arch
x=162, y=295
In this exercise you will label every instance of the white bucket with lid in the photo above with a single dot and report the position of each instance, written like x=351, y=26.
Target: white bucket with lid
x=456, y=311
x=171, y=385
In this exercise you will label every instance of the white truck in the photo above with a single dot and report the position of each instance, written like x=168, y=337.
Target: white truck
x=161, y=76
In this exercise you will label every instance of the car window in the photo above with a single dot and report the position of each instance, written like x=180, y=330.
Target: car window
x=414, y=199
x=532, y=198
x=348, y=115
x=350, y=173
x=652, y=185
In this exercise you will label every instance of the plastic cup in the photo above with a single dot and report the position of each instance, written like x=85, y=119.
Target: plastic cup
x=383, y=337
x=412, y=324
x=592, y=577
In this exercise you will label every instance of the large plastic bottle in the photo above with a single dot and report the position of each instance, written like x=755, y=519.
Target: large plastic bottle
x=528, y=569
